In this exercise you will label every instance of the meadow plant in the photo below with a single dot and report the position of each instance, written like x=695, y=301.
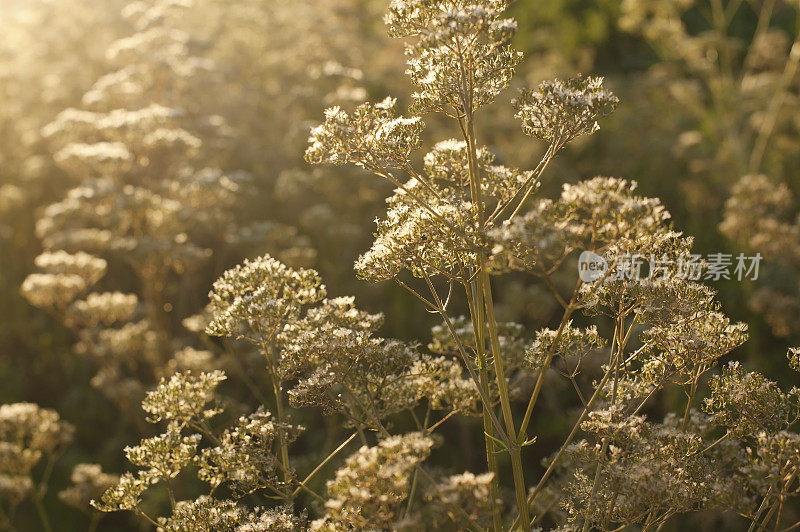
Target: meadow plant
x=31, y=440
x=454, y=226
x=462, y=220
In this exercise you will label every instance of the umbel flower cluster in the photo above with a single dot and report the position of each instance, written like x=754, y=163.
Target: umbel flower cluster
x=29, y=436
x=452, y=228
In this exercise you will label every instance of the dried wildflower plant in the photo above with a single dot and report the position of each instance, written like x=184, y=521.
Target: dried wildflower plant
x=29, y=437
x=461, y=219
x=452, y=228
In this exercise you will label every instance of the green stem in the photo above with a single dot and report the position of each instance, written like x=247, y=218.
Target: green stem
x=139, y=512
x=42, y=514
x=484, y=288
x=571, y=436
x=475, y=299
x=323, y=463
x=778, y=504
x=606, y=441
x=692, y=392
x=763, y=506
x=276, y=387
x=412, y=492
x=277, y=392
x=516, y=452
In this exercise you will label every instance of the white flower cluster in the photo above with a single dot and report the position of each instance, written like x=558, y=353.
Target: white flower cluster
x=427, y=240
x=572, y=344
x=85, y=266
x=384, y=469
x=255, y=299
x=105, y=308
x=245, y=456
x=101, y=158
x=195, y=360
x=208, y=513
x=694, y=342
x=559, y=111
x=461, y=500
x=164, y=455
x=602, y=213
x=447, y=165
x=372, y=137
x=747, y=403
x=204, y=513
x=183, y=399
x=643, y=471
x=454, y=36
x=88, y=483
x=405, y=18
x=52, y=290
x=28, y=434
x=341, y=366
x=118, y=125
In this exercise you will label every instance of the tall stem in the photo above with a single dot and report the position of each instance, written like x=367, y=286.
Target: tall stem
x=475, y=299
x=485, y=289
x=505, y=403
x=276, y=388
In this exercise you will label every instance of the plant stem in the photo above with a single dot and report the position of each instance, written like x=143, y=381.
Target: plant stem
x=568, y=310
x=514, y=449
x=692, y=391
x=412, y=492
x=37, y=499
x=465, y=358
x=276, y=390
x=276, y=387
x=618, y=331
x=575, y=428
x=324, y=462
x=475, y=299
x=484, y=288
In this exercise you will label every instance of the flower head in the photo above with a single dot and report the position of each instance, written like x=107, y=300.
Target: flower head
x=559, y=111
x=255, y=299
